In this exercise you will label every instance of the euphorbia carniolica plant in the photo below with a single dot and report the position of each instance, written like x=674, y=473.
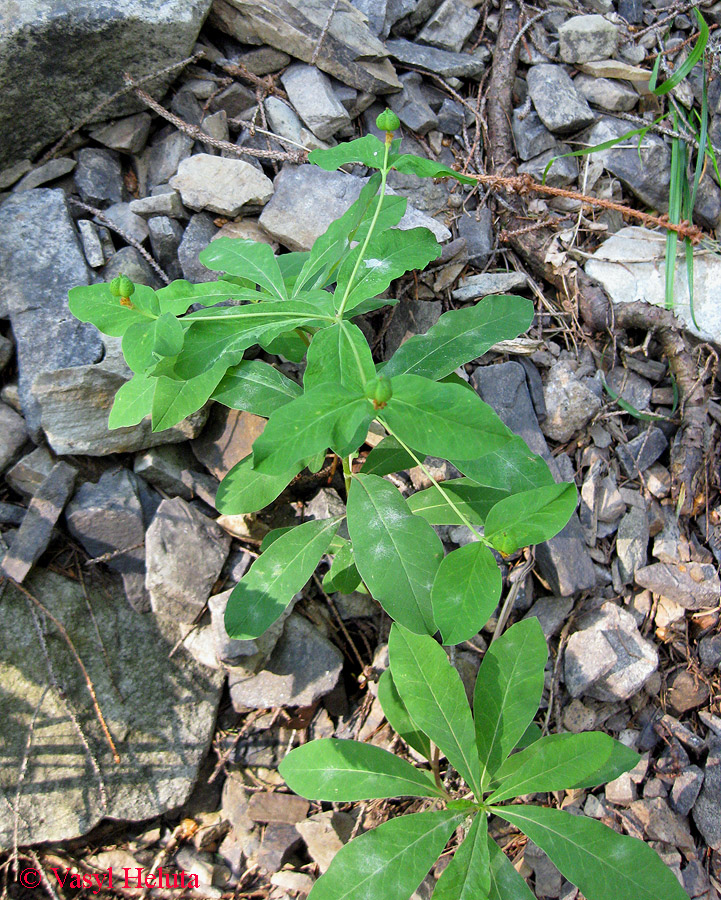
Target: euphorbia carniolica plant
x=302, y=305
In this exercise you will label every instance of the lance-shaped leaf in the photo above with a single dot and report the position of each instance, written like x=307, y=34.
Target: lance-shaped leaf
x=371, y=304
x=343, y=771
x=339, y=355
x=443, y=420
x=329, y=415
x=600, y=862
x=289, y=344
x=511, y=468
x=249, y=259
x=393, y=208
x=428, y=168
x=396, y=553
x=388, y=255
x=466, y=591
x=262, y=595
x=434, y=696
x=461, y=335
x=229, y=330
x=256, y=387
x=343, y=575
x=530, y=517
x=398, y=716
x=174, y=400
x=329, y=249
x=137, y=344
x=244, y=490
x=561, y=761
x=168, y=335
x=368, y=151
x=390, y=861
x=94, y=303
x=178, y=296
x=387, y=457
x=471, y=500
x=291, y=265
x=506, y=883
x=133, y=402
x=508, y=690
x=467, y=876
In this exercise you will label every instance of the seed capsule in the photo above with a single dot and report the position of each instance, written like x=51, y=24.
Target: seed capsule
x=379, y=390
x=388, y=121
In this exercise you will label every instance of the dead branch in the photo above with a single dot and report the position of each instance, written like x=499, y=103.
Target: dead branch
x=198, y=134
x=581, y=291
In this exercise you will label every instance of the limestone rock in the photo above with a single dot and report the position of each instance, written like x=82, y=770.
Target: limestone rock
x=570, y=404
x=221, y=185
x=587, y=38
x=160, y=711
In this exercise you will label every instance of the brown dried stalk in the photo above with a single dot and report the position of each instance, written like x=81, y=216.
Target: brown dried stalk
x=198, y=134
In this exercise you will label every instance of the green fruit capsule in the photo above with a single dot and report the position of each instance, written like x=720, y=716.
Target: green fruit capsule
x=127, y=288
x=379, y=390
x=115, y=286
x=388, y=121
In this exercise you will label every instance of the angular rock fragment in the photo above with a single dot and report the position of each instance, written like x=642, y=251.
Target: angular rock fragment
x=13, y=435
x=587, y=38
x=224, y=186
x=558, y=102
x=185, y=552
x=691, y=585
x=312, y=96
x=441, y=62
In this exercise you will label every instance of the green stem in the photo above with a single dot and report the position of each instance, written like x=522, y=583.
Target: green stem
x=441, y=491
x=364, y=247
x=347, y=473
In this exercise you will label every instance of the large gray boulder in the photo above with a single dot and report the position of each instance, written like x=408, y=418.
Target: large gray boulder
x=159, y=709
x=40, y=261
x=60, y=59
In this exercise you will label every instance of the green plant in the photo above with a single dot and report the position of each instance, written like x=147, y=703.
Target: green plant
x=302, y=305
x=500, y=755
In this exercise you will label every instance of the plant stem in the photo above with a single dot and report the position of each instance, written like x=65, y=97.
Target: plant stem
x=347, y=473
x=437, y=486
x=364, y=247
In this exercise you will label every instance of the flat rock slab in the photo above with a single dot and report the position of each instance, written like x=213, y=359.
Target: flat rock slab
x=559, y=104
x=32, y=538
x=160, y=712
x=224, y=186
x=441, y=62
x=630, y=266
x=48, y=47
x=692, y=585
x=40, y=260
x=349, y=51
x=307, y=199
x=75, y=403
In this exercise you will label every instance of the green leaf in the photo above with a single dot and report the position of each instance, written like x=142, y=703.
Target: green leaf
x=390, y=861
x=508, y=690
x=137, y=344
x=467, y=876
x=291, y=265
x=389, y=255
x=600, y=862
x=229, y=330
x=330, y=248
x=466, y=591
x=339, y=355
x=506, y=883
x=174, y=400
x=562, y=761
x=461, y=335
x=94, y=303
x=249, y=259
x=392, y=211
x=682, y=70
x=290, y=345
x=244, y=490
x=133, y=402
x=178, y=296
x=428, y=168
x=434, y=696
x=343, y=575
x=367, y=151
x=473, y=501
x=262, y=595
x=396, y=553
x=443, y=420
x=371, y=304
x=256, y=387
x=344, y=771
x=387, y=457
x=532, y=734
x=530, y=517
x=398, y=716
x=329, y=415
x=168, y=335
x=511, y=468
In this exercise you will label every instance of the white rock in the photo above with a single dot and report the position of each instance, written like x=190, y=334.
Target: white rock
x=311, y=93
x=224, y=186
x=630, y=266
x=570, y=404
